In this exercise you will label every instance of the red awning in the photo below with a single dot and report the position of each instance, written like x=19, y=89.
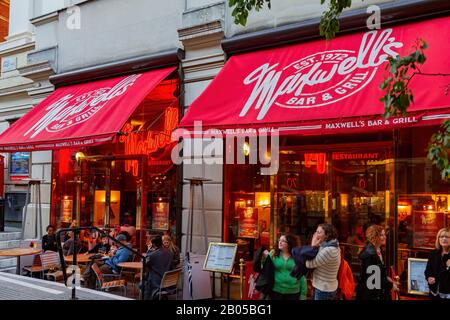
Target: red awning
x=325, y=86
x=81, y=115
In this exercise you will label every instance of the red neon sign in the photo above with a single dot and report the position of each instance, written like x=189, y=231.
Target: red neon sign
x=147, y=142
x=319, y=158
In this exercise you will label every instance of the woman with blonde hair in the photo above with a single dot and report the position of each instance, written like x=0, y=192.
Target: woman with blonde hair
x=169, y=245
x=372, y=264
x=437, y=271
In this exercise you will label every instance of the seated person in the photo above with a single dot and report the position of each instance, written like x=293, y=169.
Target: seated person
x=87, y=240
x=158, y=261
x=109, y=265
x=49, y=240
x=73, y=224
x=131, y=230
x=102, y=247
x=68, y=245
x=169, y=245
x=121, y=255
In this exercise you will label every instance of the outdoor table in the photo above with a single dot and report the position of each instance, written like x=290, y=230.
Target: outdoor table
x=81, y=258
x=137, y=266
x=18, y=252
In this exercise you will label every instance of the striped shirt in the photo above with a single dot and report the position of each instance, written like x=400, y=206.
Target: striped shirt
x=326, y=267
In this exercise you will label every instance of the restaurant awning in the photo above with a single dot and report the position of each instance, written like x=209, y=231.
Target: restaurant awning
x=81, y=115
x=325, y=86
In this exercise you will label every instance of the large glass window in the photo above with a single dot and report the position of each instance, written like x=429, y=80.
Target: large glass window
x=332, y=180
x=109, y=184
x=423, y=199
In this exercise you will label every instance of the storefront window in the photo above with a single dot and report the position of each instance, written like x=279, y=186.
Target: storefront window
x=423, y=200
x=349, y=185
x=111, y=184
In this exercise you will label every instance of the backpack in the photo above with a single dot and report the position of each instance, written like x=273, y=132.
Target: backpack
x=346, y=281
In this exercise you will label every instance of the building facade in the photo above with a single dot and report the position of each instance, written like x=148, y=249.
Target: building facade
x=82, y=42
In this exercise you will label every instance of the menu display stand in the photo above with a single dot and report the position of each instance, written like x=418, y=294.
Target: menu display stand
x=220, y=258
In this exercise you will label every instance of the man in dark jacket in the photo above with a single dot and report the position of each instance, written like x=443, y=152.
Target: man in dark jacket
x=158, y=261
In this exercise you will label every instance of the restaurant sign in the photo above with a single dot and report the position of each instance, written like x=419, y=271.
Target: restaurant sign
x=426, y=225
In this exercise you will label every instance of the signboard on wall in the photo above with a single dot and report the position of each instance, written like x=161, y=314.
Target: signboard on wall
x=160, y=216
x=220, y=257
x=248, y=222
x=426, y=224
x=67, y=208
x=19, y=167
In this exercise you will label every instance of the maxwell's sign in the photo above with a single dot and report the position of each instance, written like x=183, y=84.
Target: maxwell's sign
x=326, y=85
x=296, y=86
x=81, y=115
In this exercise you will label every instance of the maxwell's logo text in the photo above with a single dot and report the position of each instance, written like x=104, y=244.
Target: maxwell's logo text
x=321, y=78
x=70, y=111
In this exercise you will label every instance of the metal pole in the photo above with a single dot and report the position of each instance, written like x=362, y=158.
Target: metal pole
x=40, y=210
x=25, y=211
x=108, y=194
x=74, y=255
x=214, y=286
x=191, y=216
x=33, y=186
x=204, y=218
x=241, y=278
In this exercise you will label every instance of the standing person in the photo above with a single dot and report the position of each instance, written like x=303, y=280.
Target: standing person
x=326, y=263
x=372, y=256
x=437, y=271
x=158, y=261
x=169, y=245
x=286, y=287
x=49, y=240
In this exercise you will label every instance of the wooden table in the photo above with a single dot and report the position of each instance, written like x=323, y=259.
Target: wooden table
x=137, y=266
x=81, y=258
x=18, y=252
x=130, y=265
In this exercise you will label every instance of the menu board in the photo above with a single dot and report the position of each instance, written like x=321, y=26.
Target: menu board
x=248, y=222
x=417, y=283
x=160, y=216
x=426, y=225
x=220, y=257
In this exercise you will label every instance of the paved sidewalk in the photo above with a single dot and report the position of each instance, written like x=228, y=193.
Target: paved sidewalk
x=15, y=287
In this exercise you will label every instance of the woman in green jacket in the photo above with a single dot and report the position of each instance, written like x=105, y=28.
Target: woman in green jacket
x=286, y=287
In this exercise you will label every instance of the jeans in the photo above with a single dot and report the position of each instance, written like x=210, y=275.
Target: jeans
x=323, y=295
x=280, y=296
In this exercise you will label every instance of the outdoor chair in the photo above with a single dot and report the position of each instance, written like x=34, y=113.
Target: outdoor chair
x=35, y=267
x=169, y=284
x=52, y=264
x=103, y=285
